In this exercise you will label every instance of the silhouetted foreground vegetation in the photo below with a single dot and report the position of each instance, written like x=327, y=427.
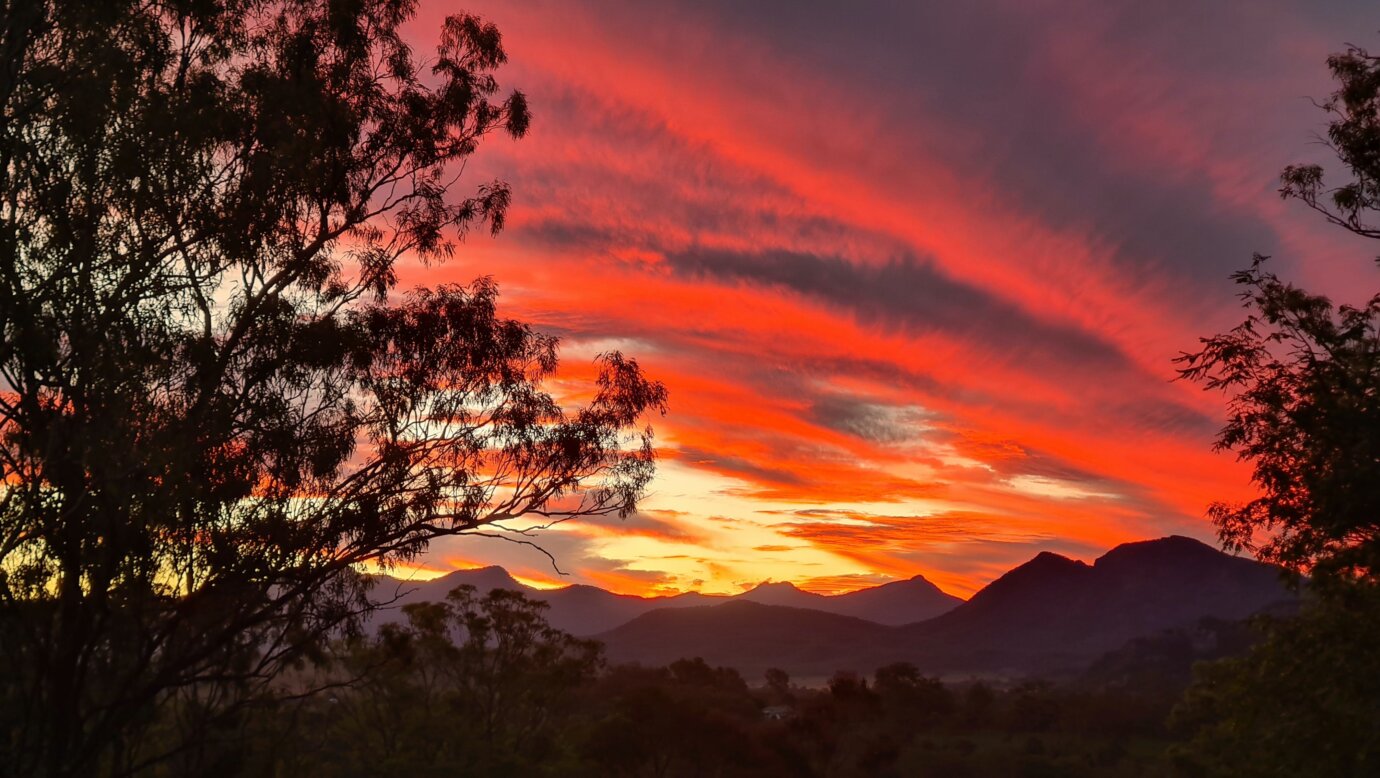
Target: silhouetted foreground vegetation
x=1302, y=374
x=483, y=686
x=215, y=402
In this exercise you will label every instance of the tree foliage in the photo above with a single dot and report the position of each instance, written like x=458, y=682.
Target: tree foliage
x=479, y=684
x=1305, y=411
x=1303, y=702
x=213, y=406
x=482, y=686
x=1303, y=374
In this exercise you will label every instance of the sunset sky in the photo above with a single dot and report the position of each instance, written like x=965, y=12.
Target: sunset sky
x=914, y=273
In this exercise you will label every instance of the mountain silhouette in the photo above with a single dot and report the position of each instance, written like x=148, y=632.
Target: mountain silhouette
x=579, y=609
x=588, y=610
x=895, y=603
x=898, y=602
x=748, y=636
x=1051, y=615
x=1057, y=614
x=780, y=593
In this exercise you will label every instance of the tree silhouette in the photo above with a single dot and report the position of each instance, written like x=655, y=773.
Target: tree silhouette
x=475, y=683
x=1300, y=703
x=212, y=409
x=1304, y=374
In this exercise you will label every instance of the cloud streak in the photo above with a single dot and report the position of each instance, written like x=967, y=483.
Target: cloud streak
x=913, y=272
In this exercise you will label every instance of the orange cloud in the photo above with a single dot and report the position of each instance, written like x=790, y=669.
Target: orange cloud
x=915, y=293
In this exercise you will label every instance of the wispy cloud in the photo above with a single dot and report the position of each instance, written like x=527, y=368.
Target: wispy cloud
x=913, y=272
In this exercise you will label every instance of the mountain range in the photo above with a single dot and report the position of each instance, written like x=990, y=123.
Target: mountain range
x=1052, y=615
x=588, y=610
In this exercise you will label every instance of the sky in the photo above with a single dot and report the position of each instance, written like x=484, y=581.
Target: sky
x=913, y=273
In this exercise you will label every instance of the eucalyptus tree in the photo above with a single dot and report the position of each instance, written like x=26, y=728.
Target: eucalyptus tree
x=215, y=403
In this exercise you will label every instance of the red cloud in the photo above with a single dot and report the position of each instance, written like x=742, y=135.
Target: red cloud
x=885, y=291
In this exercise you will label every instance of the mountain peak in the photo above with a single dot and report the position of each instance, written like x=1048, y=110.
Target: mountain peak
x=482, y=578
x=1048, y=560
x=775, y=586
x=779, y=593
x=1047, y=572
x=1171, y=550
x=1044, y=565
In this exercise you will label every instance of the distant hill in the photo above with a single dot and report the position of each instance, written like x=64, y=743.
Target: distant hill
x=1051, y=615
x=899, y=602
x=588, y=610
x=746, y=635
x=895, y=603
x=1163, y=662
x=1055, y=613
x=580, y=610
x=483, y=579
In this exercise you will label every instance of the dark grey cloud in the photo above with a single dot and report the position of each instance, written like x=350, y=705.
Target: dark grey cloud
x=862, y=419
x=972, y=83
x=913, y=295
x=739, y=466
x=979, y=71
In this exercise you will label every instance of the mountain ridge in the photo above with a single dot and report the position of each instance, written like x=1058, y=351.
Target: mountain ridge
x=1050, y=615
x=586, y=610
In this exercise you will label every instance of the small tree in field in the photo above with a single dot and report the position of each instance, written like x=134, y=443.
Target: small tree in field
x=213, y=406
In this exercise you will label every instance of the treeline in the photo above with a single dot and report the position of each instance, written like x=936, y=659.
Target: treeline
x=482, y=686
